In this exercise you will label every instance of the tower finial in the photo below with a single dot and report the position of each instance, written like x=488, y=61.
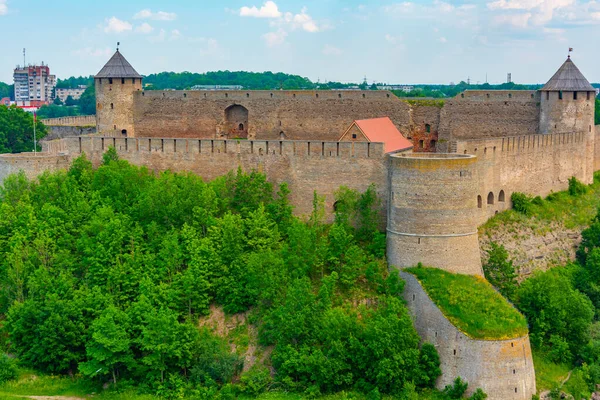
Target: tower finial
x=570, y=51
x=118, y=44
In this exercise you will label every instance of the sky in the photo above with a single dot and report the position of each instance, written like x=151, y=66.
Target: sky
x=413, y=41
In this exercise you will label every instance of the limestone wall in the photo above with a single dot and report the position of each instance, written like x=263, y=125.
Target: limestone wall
x=532, y=164
x=305, y=165
x=62, y=131
x=82, y=120
x=32, y=164
x=564, y=112
x=502, y=368
x=432, y=213
x=114, y=104
x=482, y=114
x=294, y=115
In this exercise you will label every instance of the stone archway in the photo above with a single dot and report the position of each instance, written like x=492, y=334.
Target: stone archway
x=236, y=121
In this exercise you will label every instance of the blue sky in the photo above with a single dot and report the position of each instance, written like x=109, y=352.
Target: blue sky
x=413, y=41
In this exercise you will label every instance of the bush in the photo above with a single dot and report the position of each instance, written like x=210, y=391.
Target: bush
x=500, y=271
x=457, y=390
x=8, y=368
x=478, y=395
x=256, y=381
x=521, y=202
x=576, y=188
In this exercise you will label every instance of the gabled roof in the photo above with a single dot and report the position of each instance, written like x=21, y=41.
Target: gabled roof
x=118, y=67
x=382, y=130
x=568, y=78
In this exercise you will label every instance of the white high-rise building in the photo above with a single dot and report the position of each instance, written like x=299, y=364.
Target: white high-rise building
x=34, y=85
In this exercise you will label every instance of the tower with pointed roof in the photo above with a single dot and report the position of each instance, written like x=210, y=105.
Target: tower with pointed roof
x=116, y=84
x=567, y=102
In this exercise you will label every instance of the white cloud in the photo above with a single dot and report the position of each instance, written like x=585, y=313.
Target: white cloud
x=93, y=52
x=516, y=20
x=329, y=50
x=161, y=37
x=268, y=10
x=392, y=39
x=157, y=16
x=175, y=34
x=442, y=39
x=400, y=8
x=144, y=28
x=302, y=20
x=275, y=38
x=115, y=25
x=3, y=7
x=538, y=12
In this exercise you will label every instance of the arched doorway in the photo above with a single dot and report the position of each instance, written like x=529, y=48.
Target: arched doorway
x=236, y=121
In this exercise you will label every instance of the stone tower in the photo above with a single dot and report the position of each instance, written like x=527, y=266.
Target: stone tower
x=115, y=84
x=432, y=214
x=567, y=102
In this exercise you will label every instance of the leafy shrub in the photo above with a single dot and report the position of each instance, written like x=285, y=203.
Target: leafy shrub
x=8, y=369
x=457, y=389
x=521, y=202
x=576, y=188
x=256, y=381
x=478, y=395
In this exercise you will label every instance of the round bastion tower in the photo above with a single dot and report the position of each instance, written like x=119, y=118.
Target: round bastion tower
x=115, y=85
x=432, y=214
x=567, y=102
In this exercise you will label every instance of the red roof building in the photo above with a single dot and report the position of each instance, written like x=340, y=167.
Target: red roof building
x=377, y=130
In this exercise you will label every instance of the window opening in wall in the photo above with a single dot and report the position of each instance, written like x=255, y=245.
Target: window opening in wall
x=241, y=127
x=122, y=81
x=462, y=95
x=454, y=351
x=340, y=95
x=124, y=131
x=514, y=371
x=414, y=297
x=112, y=106
x=501, y=196
x=532, y=95
x=185, y=95
x=465, y=152
x=317, y=95
x=133, y=80
x=479, y=202
x=271, y=94
x=485, y=150
x=115, y=127
x=354, y=136
x=100, y=81
x=488, y=95
x=547, y=95
x=388, y=95
x=279, y=122
x=427, y=128
x=247, y=94
x=588, y=96
x=110, y=81
x=560, y=95
x=432, y=144
x=421, y=143
x=364, y=95
x=294, y=95
x=281, y=135
x=512, y=345
x=490, y=199
x=510, y=95
x=419, y=241
x=515, y=390
x=574, y=95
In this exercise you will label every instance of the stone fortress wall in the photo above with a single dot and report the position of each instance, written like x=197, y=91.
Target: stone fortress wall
x=306, y=166
x=502, y=368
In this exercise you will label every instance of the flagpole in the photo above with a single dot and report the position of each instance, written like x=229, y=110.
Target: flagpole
x=34, y=138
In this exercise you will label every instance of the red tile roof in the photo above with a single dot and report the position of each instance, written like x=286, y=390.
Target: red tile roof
x=383, y=130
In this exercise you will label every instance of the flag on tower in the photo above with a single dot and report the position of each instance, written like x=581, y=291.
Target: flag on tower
x=570, y=49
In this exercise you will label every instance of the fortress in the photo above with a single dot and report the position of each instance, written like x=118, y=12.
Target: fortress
x=469, y=154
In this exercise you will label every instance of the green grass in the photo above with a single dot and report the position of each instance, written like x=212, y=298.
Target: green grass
x=471, y=304
x=548, y=374
x=571, y=211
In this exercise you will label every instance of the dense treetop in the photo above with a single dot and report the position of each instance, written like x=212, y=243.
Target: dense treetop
x=16, y=130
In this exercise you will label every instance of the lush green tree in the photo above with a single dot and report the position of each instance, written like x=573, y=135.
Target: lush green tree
x=500, y=271
x=87, y=101
x=16, y=130
x=108, y=350
x=57, y=101
x=557, y=313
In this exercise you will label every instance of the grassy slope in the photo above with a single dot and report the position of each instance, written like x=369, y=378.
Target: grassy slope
x=571, y=211
x=471, y=304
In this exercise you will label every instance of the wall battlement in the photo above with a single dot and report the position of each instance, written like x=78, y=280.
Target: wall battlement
x=520, y=143
x=213, y=147
x=498, y=95
x=239, y=95
x=83, y=120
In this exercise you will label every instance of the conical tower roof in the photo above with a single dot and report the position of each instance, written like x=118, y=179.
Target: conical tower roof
x=118, y=67
x=568, y=78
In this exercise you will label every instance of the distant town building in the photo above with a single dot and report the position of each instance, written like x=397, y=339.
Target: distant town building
x=75, y=94
x=404, y=88
x=34, y=85
x=217, y=87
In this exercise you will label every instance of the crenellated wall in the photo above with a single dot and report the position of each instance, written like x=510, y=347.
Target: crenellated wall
x=532, y=164
x=306, y=166
x=80, y=121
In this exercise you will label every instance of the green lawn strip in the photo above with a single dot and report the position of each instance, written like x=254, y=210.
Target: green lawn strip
x=571, y=211
x=548, y=374
x=471, y=304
